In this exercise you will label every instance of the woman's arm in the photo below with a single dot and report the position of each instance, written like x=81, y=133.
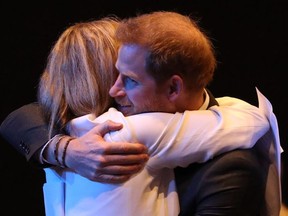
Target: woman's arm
x=183, y=138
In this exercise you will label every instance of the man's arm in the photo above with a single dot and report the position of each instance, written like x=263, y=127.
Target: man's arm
x=94, y=158
x=26, y=130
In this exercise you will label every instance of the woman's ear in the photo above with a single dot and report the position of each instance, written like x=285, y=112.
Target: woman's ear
x=175, y=87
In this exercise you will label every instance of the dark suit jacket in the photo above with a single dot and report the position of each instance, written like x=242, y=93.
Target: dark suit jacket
x=27, y=131
x=231, y=184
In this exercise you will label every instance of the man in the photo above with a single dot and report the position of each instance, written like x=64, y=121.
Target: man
x=165, y=63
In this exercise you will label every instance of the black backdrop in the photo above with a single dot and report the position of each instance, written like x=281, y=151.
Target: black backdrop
x=251, y=39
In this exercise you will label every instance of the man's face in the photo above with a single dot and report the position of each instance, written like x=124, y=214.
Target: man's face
x=135, y=91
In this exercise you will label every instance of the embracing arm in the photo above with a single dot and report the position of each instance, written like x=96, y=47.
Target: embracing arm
x=26, y=130
x=201, y=135
x=90, y=156
x=193, y=136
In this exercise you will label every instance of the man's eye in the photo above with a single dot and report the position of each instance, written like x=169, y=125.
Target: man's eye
x=130, y=83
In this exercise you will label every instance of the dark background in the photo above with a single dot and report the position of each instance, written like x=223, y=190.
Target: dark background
x=251, y=39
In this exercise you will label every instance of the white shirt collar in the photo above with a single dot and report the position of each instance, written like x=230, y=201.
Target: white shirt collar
x=206, y=101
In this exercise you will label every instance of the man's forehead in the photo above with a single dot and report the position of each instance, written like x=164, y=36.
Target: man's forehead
x=131, y=56
x=131, y=50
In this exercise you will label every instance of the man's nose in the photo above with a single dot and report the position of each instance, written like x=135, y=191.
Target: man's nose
x=117, y=90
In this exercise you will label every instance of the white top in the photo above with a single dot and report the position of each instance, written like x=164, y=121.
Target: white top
x=172, y=139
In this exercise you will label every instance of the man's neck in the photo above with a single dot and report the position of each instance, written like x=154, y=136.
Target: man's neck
x=195, y=101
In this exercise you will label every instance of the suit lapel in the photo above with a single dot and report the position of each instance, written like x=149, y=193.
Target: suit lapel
x=212, y=100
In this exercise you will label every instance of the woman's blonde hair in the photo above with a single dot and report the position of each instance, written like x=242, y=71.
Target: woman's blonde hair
x=80, y=71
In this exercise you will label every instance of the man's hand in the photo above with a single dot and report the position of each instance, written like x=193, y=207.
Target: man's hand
x=97, y=160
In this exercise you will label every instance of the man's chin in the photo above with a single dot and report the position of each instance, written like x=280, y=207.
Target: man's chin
x=126, y=111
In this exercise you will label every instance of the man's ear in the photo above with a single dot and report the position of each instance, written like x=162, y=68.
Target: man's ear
x=175, y=87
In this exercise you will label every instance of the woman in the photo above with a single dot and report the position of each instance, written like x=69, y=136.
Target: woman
x=74, y=95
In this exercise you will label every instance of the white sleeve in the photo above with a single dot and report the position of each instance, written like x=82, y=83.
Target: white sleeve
x=193, y=136
x=197, y=136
